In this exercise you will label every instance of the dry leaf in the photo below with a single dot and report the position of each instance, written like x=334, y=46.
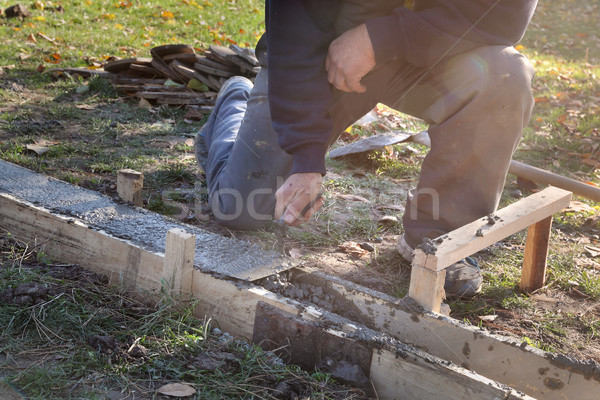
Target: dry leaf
x=488, y=318
x=296, y=253
x=145, y=104
x=189, y=142
x=590, y=161
x=576, y=206
x=45, y=37
x=353, y=249
x=353, y=197
x=176, y=390
x=594, y=251
x=39, y=150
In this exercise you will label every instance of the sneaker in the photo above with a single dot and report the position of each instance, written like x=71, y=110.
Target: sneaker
x=463, y=278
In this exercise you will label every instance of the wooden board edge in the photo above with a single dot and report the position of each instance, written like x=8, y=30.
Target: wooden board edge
x=499, y=358
x=233, y=303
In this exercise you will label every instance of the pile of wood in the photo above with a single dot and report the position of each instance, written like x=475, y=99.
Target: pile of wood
x=199, y=76
x=175, y=74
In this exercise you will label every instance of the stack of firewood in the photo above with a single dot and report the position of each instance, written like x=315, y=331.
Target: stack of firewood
x=177, y=75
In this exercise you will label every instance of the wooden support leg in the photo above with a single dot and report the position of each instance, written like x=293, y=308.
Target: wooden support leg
x=533, y=275
x=427, y=287
x=180, y=249
x=129, y=186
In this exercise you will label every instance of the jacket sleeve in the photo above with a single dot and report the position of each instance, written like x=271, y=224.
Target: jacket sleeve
x=435, y=29
x=299, y=93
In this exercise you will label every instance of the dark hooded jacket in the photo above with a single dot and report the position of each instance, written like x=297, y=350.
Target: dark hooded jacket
x=297, y=38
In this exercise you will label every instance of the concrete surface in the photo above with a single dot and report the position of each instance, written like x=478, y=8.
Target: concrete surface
x=214, y=253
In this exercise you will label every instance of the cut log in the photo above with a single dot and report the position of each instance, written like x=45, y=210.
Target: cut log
x=183, y=70
x=220, y=54
x=161, y=51
x=144, y=69
x=171, y=95
x=121, y=65
x=246, y=53
x=186, y=58
x=213, y=71
x=178, y=101
x=216, y=65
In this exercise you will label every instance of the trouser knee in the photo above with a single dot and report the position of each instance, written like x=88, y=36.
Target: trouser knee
x=236, y=210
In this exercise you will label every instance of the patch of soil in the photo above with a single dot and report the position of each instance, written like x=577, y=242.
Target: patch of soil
x=227, y=355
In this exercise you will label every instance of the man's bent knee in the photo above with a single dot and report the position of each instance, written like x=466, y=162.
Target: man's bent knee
x=233, y=210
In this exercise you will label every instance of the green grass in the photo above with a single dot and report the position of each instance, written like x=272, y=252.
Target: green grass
x=98, y=133
x=50, y=353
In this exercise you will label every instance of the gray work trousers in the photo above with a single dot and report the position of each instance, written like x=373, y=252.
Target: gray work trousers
x=476, y=105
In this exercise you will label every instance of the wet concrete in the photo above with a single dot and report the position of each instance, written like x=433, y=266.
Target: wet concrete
x=214, y=253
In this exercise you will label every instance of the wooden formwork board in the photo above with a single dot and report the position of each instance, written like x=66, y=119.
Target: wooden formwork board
x=233, y=303
x=396, y=370
x=539, y=374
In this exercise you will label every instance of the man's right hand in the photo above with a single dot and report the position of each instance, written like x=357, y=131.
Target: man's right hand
x=296, y=193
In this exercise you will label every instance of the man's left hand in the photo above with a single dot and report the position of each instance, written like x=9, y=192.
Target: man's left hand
x=350, y=57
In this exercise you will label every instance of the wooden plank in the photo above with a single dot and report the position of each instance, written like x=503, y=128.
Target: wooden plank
x=427, y=287
x=394, y=376
x=309, y=345
x=129, y=186
x=197, y=102
x=69, y=240
x=483, y=232
x=232, y=304
x=178, y=264
x=539, y=374
x=184, y=95
x=535, y=255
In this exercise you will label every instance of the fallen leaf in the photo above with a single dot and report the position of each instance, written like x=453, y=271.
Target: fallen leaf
x=44, y=142
x=353, y=249
x=145, y=104
x=526, y=184
x=295, y=253
x=31, y=38
x=576, y=206
x=488, y=318
x=172, y=83
x=590, y=161
x=176, y=390
x=167, y=15
x=353, y=197
x=196, y=85
x=46, y=37
x=594, y=251
x=189, y=142
x=39, y=150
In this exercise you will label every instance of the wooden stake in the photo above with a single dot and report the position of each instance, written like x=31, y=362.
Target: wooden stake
x=533, y=275
x=129, y=186
x=178, y=266
x=427, y=287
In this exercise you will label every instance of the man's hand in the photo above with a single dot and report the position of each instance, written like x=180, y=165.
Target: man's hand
x=350, y=57
x=296, y=193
